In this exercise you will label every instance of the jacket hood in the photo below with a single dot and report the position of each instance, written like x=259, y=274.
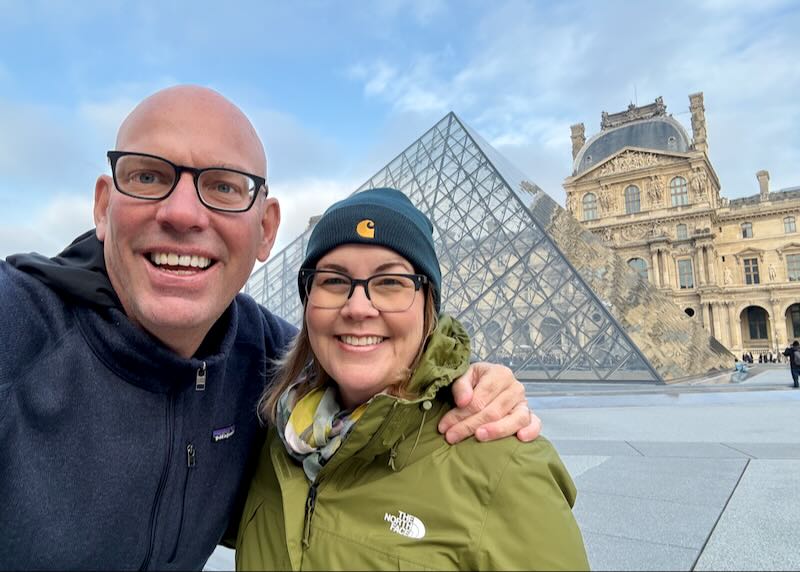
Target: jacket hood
x=78, y=272
x=446, y=357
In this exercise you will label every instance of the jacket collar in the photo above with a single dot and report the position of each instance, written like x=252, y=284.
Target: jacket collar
x=142, y=360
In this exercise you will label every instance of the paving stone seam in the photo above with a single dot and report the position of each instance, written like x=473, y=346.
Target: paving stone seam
x=585, y=489
x=622, y=536
x=749, y=456
x=719, y=516
x=629, y=444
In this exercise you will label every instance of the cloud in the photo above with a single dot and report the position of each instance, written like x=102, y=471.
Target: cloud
x=529, y=70
x=49, y=228
x=302, y=198
x=294, y=150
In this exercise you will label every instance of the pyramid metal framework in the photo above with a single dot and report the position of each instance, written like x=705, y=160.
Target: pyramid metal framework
x=504, y=277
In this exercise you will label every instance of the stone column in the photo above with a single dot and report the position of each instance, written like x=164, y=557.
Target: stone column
x=734, y=328
x=656, y=271
x=667, y=268
x=712, y=274
x=700, y=265
x=706, y=323
x=779, y=326
x=721, y=324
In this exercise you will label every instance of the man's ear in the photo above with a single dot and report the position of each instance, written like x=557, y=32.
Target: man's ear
x=102, y=194
x=269, y=228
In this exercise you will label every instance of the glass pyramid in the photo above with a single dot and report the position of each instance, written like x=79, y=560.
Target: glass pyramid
x=504, y=277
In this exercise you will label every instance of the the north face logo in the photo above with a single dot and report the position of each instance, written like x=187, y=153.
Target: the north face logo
x=405, y=524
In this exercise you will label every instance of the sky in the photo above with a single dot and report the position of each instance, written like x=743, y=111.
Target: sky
x=336, y=89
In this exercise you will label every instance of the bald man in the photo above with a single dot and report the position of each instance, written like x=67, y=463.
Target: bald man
x=130, y=365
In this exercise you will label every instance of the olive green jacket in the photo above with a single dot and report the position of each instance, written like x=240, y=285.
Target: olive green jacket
x=397, y=496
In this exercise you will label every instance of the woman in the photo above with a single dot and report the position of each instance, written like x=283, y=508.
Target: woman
x=354, y=474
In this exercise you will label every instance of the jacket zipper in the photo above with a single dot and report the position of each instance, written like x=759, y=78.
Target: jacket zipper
x=311, y=500
x=200, y=379
x=191, y=461
x=161, y=483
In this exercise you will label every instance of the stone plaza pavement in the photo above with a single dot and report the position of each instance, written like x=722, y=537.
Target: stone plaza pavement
x=679, y=477
x=682, y=477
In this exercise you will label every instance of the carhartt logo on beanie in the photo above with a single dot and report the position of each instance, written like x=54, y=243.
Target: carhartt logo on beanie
x=366, y=229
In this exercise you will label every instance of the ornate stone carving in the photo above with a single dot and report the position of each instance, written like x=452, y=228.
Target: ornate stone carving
x=633, y=232
x=629, y=161
x=633, y=113
x=572, y=203
x=655, y=190
x=772, y=273
x=699, y=182
x=728, y=276
x=578, y=138
x=607, y=198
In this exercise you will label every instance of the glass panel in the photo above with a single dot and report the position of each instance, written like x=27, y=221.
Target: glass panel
x=788, y=224
x=589, y=207
x=632, y=202
x=639, y=266
x=757, y=321
x=751, y=271
x=795, y=317
x=679, y=191
x=793, y=267
x=747, y=230
x=685, y=275
x=681, y=232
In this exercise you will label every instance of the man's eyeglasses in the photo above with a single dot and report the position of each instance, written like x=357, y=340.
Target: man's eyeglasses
x=153, y=178
x=387, y=292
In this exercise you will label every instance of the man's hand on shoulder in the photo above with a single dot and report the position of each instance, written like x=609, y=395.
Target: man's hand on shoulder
x=490, y=404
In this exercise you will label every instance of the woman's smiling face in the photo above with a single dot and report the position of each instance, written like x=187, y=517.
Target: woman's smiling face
x=363, y=349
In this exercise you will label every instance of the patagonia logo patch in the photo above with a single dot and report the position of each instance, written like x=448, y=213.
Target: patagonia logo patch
x=223, y=433
x=366, y=229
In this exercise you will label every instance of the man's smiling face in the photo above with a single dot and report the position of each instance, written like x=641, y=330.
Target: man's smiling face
x=175, y=264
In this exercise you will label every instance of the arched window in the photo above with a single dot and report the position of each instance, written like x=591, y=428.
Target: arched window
x=639, y=266
x=589, y=206
x=632, y=203
x=757, y=322
x=747, y=230
x=681, y=232
x=788, y=225
x=679, y=191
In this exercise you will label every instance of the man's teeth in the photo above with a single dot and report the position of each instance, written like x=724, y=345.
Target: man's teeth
x=362, y=341
x=172, y=259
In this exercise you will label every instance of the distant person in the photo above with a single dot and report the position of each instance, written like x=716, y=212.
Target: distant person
x=792, y=353
x=130, y=364
x=354, y=475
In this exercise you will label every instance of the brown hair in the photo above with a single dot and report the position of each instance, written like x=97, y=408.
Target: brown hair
x=300, y=363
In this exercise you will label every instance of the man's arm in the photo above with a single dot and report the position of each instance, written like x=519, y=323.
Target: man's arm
x=491, y=405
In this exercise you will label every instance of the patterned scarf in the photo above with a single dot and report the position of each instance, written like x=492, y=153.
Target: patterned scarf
x=313, y=428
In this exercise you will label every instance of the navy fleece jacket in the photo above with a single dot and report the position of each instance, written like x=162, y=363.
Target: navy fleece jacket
x=115, y=452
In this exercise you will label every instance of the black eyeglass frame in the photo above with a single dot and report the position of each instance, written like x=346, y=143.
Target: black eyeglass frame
x=307, y=274
x=261, y=182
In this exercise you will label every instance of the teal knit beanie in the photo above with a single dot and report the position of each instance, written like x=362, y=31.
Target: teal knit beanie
x=383, y=217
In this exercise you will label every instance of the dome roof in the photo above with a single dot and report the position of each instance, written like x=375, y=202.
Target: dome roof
x=662, y=133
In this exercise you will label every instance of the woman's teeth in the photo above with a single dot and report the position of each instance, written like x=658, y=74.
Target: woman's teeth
x=361, y=341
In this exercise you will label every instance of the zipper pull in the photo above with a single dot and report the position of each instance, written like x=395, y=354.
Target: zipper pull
x=310, y=502
x=190, y=456
x=200, y=381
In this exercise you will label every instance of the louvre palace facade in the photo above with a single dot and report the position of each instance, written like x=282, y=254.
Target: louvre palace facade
x=647, y=190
